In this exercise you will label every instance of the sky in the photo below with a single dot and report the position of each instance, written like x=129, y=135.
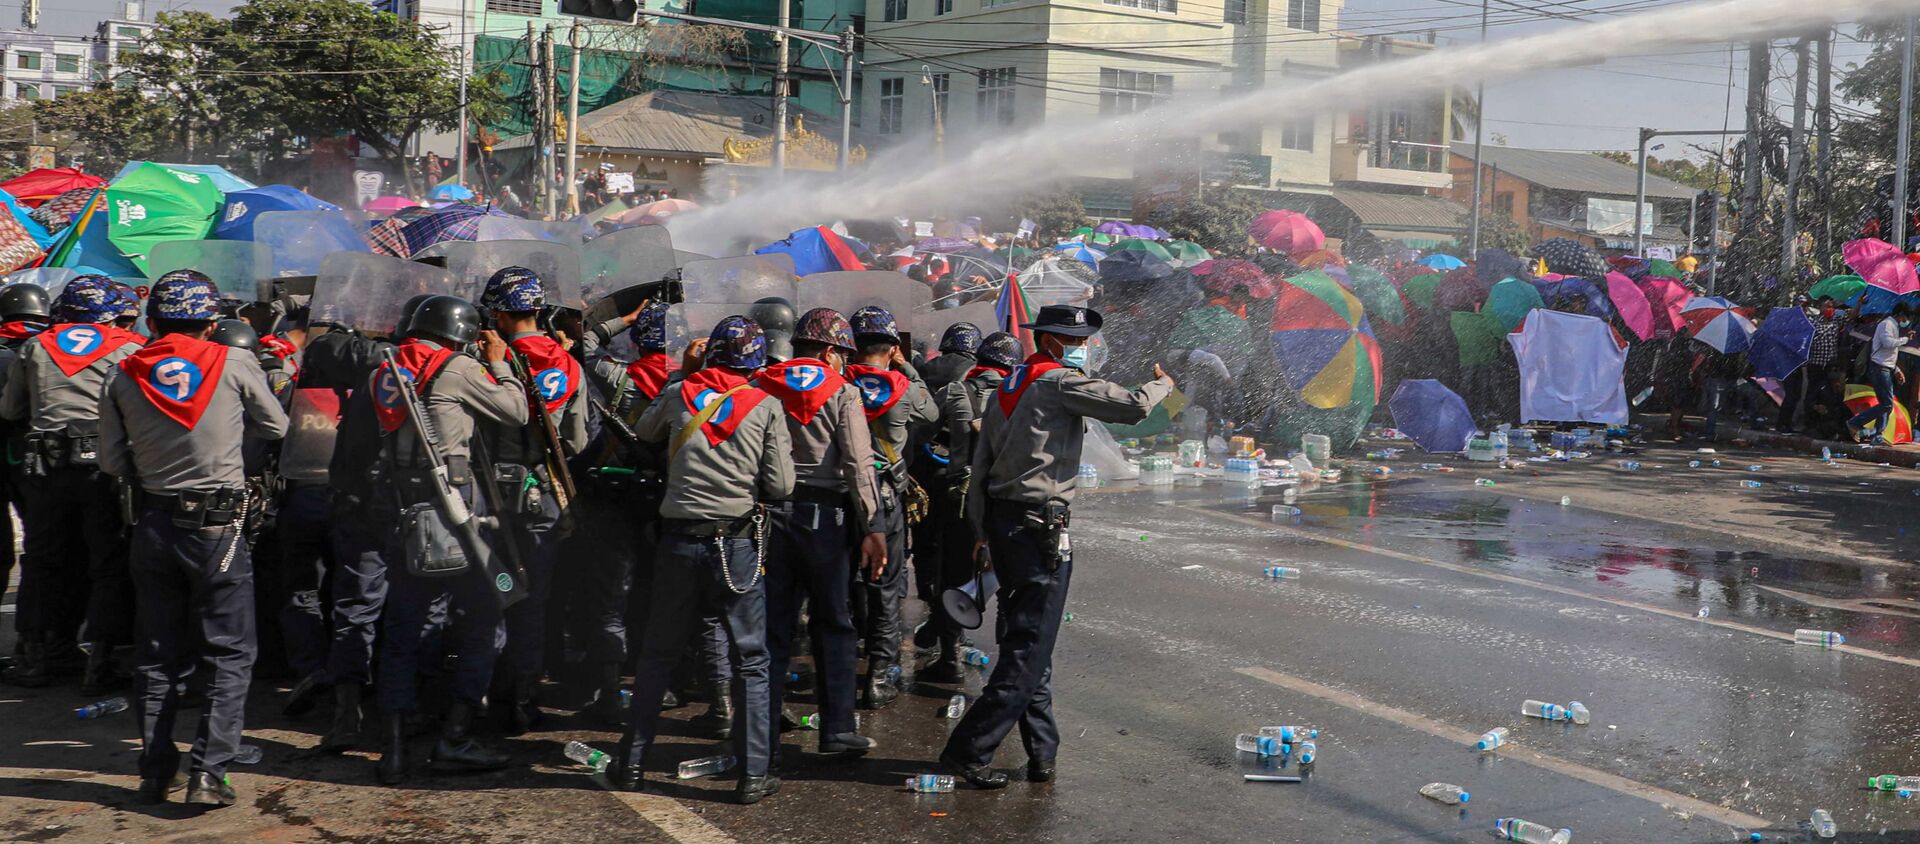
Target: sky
x=1686, y=90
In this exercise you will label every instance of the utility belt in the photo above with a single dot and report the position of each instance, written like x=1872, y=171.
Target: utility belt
x=911, y=495
x=47, y=451
x=415, y=486
x=196, y=509
x=711, y=528
x=526, y=494
x=804, y=511
x=1047, y=522
x=752, y=526
x=621, y=478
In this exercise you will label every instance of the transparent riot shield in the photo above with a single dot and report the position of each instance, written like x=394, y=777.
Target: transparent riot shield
x=929, y=325
x=313, y=419
x=690, y=321
x=239, y=269
x=557, y=264
x=300, y=240
x=497, y=227
x=847, y=292
x=682, y=258
x=626, y=258
x=366, y=291
x=744, y=279
x=52, y=279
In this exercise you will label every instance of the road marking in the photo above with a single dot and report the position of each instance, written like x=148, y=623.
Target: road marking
x=678, y=822
x=1421, y=723
x=1569, y=591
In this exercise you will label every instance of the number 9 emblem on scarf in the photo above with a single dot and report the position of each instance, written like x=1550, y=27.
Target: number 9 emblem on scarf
x=552, y=384
x=875, y=390
x=176, y=378
x=805, y=377
x=705, y=398
x=387, y=389
x=80, y=339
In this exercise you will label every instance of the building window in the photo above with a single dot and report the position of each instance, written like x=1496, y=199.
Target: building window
x=1297, y=134
x=1128, y=91
x=996, y=96
x=988, y=4
x=940, y=88
x=127, y=55
x=127, y=31
x=1303, y=15
x=896, y=10
x=530, y=8
x=1503, y=204
x=1235, y=11
x=941, y=7
x=27, y=61
x=1167, y=6
x=66, y=64
x=63, y=90
x=893, y=103
x=26, y=92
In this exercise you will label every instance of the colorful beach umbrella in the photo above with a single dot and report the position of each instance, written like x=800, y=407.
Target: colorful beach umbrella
x=1082, y=252
x=1630, y=302
x=1781, y=343
x=155, y=203
x=1286, y=232
x=816, y=249
x=1323, y=343
x=1860, y=397
x=1719, y=323
x=1839, y=288
x=1881, y=265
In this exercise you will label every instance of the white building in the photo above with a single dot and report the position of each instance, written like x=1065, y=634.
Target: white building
x=37, y=66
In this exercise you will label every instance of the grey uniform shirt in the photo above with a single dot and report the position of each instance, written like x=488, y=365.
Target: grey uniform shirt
x=834, y=452
x=890, y=429
x=963, y=404
x=461, y=392
x=1033, y=456
x=38, y=392
x=572, y=420
x=138, y=441
x=705, y=483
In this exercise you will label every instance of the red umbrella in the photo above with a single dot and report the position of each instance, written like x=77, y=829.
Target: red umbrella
x=37, y=186
x=1290, y=232
x=1223, y=275
x=654, y=212
x=1881, y=265
x=1665, y=297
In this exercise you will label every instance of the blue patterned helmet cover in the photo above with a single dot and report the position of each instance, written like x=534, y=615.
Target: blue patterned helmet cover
x=128, y=298
x=89, y=299
x=875, y=321
x=649, y=329
x=737, y=343
x=1000, y=349
x=962, y=337
x=825, y=325
x=514, y=289
x=184, y=294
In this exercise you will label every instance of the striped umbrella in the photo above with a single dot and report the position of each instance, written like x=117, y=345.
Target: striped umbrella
x=1324, y=344
x=1719, y=323
x=1859, y=397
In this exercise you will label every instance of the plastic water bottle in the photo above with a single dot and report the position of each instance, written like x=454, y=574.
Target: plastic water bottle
x=974, y=656
x=1192, y=453
x=1756, y=468
x=1445, y=792
x=1822, y=823
x=956, y=707
x=101, y=709
x=1826, y=454
x=1089, y=476
x=705, y=767
x=1432, y=467
x=1156, y=470
x=1630, y=465
x=1891, y=782
x=1285, y=511
x=1500, y=444
x=580, y=753
x=1290, y=734
x=1577, y=712
x=1693, y=464
x=812, y=721
x=1566, y=501
x=1515, y=829
x=1305, y=752
x=1483, y=482
x=1751, y=484
x=1800, y=488
x=248, y=754
x=930, y=783
x=1256, y=743
x=1281, y=573
x=1818, y=638
x=1491, y=739
x=1542, y=709
x=1242, y=470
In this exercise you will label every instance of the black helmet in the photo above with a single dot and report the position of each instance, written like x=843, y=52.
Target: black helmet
x=406, y=313
x=776, y=319
x=448, y=318
x=237, y=333
x=1000, y=349
x=25, y=300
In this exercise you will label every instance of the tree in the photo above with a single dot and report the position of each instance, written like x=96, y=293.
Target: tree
x=1054, y=215
x=109, y=126
x=1497, y=231
x=1217, y=220
x=1704, y=176
x=194, y=61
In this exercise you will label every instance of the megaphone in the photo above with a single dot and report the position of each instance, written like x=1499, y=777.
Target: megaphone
x=966, y=605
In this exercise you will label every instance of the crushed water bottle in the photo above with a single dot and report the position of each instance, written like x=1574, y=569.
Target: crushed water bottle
x=1756, y=468
x=1285, y=511
x=1483, y=482
x=1578, y=714
x=1290, y=734
x=974, y=656
x=1800, y=488
x=1630, y=465
x=1491, y=739
x=1281, y=573
x=1822, y=822
x=1891, y=782
x=705, y=767
x=930, y=783
x=1515, y=829
x=101, y=709
x=1445, y=792
x=812, y=721
x=1818, y=638
x=1542, y=709
x=581, y=754
x=1693, y=464
x=1751, y=484
x=1256, y=743
x=248, y=754
x=1089, y=476
x=956, y=707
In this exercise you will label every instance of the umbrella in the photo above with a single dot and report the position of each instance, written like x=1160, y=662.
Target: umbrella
x=1496, y=264
x=1881, y=265
x=1874, y=301
x=1477, y=337
x=24, y=216
x=1718, y=323
x=1115, y=227
x=1133, y=267
x=1223, y=276
x=1664, y=269
x=1630, y=302
x=450, y=193
x=1276, y=264
x=1287, y=232
x=223, y=179
x=942, y=244
x=1323, y=343
x=385, y=236
x=1570, y=257
x=1780, y=344
x=1135, y=244
x=245, y=206
x=1081, y=252
x=1318, y=258
x=815, y=250
x=454, y=222
x=1459, y=290
x=1441, y=262
x=1629, y=266
x=1434, y=417
x=37, y=186
x=154, y=203
x=656, y=211
x=58, y=213
x=876, y=231
x=1420, y=289
x=1511, y=300
x=1186, y=253
x=1839, y=288
x=1859, y=397
x=1665, y=297
x=388, y=205
x=1377, y=293
x=1565, y=293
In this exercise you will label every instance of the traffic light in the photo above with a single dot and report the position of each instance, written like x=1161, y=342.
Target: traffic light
x=610, y=10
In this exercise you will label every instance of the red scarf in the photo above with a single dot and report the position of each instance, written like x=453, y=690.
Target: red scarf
x=880, y=389
x=1022, y=377
x=704, y=386
x=76, y=346
x=979, y=369
x=649, y=373
x=555, y=374
x=419, y=362
x=20, y=330
x=803, y=386
x=179, y=375
x=282, y=348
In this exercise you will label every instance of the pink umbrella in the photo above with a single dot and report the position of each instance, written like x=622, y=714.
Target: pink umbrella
x=654, y=212
x=1286, y=231
x=388, y=204
x=1666, y=297
x=1881, y=265
x=1631, y=303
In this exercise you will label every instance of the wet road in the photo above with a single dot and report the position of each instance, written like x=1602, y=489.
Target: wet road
x=1429, y=608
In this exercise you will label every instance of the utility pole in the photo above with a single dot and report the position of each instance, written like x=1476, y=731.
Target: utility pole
x=780, y=90
x=549, y=112
x=1796, y=165
x=1479, y=132
x=1713, y=238
x=1904, y=145
x=1759, y=66
x=536, y=77
x=1640, y=196
x=466, y=69
x=1823, y=134
x=573, y=123
x=846, y=99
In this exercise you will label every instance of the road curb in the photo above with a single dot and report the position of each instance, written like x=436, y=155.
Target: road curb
x=1904, y=456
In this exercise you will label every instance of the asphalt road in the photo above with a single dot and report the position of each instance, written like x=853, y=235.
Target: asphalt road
x=1429, y=608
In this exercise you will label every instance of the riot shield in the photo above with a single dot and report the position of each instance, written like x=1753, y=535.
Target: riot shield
x=496, y=227
x=625, y=258
x=744, y=279
x=300, y=240
x=365, y=291
x=314, y=418
x=690, y=321
x=624, y=300
x=240, y=269
x=557, y=264
x=847, y=292
x=52, y=279
x=929, y=325
x=682, y=258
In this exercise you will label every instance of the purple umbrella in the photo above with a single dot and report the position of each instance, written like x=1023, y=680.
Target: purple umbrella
x=1434, y=417
x=454, y=222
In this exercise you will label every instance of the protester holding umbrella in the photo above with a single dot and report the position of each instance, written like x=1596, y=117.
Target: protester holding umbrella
x=1214, y=339
x=1883, y=371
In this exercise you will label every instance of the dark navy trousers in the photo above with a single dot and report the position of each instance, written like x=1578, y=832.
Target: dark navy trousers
x=811, y=559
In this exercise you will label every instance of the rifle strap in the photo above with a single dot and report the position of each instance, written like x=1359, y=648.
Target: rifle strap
x=699, y=420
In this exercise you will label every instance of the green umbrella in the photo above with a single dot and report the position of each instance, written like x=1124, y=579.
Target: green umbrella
x=1478, y=336
x=1509, y=301
x=154, y=203
x=1839, y=288
x=1018, y=252
x=1186, y=253
x=1135, y=244
x=1375, y=290
x=1419, y=289
x=1663, y=269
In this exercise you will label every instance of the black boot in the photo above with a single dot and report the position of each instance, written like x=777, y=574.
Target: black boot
x=30, y=670
x=305, y=695
x=393, y=758
x=878, y=691
x=947, y=668
x=65, y=658
x=458, y=752
x=102, y=674
x=607, y=707
x=344, y=735
x=718, y=719
x=523, y=714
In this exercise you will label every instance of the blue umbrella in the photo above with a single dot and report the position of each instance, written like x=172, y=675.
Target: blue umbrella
x=1781, y=343
x=244, y=206
x=1575, y=288
x=1132, y=266
x=1434, y=417
x=1874, y=301
x=1082, y=252
x=1442, y=262
x=451, y=193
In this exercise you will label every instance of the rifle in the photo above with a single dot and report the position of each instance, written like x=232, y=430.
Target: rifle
x=616, y=423
x=556, y=455
x=508, y=581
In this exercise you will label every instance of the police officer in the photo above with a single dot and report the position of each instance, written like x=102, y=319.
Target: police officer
x=458, y=393
x=835, y=490
x=1025, y=464
x=514, y=297
x=172, y=421
x=959, y=345
x=728, y=453
x=932, y=469
x=896, y=402
x=75, y=565
x=24, y=311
